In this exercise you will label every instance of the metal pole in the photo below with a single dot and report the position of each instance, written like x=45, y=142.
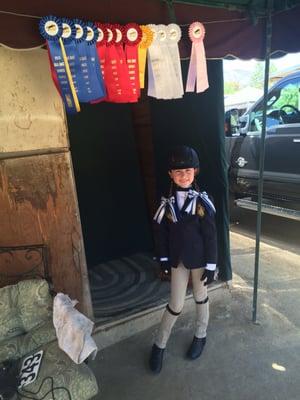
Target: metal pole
x=262, y=154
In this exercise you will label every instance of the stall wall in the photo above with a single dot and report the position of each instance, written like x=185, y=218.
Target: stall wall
x=40, y=231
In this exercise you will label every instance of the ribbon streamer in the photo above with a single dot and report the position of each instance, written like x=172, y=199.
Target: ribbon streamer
x=147, y=39
x=132, y=38
x=173, y=37
x=164, y=68
x=89, y=85
x=95, y=73
x=194, y=195
x=101, y=45
x=165, y=202
x=158, y=76
x=124, y=92
x=197, y=73
x=111, y=70
x=51, y=28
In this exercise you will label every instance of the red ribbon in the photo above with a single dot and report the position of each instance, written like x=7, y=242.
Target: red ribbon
x=101, y=50
x=53, y=72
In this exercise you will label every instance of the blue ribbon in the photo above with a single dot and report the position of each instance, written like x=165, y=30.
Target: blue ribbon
x=87, y=69
x=72, y=55
x=94, y=64
x=57, y=59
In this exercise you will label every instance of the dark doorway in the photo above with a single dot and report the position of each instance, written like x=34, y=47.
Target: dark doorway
x=108, y=181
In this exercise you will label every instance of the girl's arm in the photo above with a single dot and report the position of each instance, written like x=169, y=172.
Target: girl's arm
x=161, y=239
x=209, y=233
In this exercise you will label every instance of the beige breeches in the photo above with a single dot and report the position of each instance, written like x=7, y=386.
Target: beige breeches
x=179, y=282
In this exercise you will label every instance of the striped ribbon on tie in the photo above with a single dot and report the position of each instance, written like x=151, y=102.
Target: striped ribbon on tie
x=165, y=202
x=193, y=194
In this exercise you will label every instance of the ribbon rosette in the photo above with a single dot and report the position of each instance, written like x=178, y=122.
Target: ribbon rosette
x=158, y=76
x=96, y=79
x=101, y=45
x=67, y=34
x=132, y=38
x=147, y=39
x=173, y=37
x=197, y=73
x=112, y=62
x=51, y=28
x=164, y=69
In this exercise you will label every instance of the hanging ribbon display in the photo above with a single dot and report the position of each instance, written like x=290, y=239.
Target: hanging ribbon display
x=146, y=41
x=132, y=38
x=197, y=73
x=94, y=62
x=51, y=29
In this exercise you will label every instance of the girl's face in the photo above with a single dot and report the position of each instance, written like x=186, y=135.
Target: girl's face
x=183, y=177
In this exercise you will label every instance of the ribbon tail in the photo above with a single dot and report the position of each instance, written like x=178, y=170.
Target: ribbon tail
x=151, y=83
x=142, y=65
x=176, y=88
x=202, y=80
x=192, y=72
x=194, y=205
x=206, y=200
x=173, y=213
x=159, y=213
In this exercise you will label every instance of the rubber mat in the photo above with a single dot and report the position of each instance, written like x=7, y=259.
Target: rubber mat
x=126, y=286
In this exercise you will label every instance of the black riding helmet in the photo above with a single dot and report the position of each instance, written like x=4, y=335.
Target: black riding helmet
x=183, y=157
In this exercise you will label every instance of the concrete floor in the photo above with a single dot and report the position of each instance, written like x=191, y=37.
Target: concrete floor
x=241, y=361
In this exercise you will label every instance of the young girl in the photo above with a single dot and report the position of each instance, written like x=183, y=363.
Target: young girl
x=186, y=243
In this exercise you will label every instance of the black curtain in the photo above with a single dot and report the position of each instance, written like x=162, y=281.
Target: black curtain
x=197, y=120
x=108, y=181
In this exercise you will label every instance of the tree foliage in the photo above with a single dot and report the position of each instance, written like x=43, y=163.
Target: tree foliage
x=258, y=75
x=231, y=87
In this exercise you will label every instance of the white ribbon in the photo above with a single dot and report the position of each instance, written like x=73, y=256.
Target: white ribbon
x=193, y=194
x=164, y=69
x=165, y=202
x=173, y=37
x=157, y=84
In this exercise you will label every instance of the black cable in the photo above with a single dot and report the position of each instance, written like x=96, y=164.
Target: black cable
x=52, y=390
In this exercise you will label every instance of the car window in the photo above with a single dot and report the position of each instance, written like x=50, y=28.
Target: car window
x=283, y=107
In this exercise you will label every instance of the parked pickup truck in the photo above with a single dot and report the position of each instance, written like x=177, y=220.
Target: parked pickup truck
x=281, y=193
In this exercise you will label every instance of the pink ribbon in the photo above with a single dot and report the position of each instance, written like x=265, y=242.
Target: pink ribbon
x=197, y=73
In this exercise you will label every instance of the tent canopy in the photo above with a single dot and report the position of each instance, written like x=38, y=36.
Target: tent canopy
x=234, y=27
x=256, y=7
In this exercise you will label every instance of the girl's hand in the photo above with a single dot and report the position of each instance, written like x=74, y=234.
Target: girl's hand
x=165, y=271
x=208, y=275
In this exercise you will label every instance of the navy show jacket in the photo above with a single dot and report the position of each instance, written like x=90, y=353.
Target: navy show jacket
x=191, y=240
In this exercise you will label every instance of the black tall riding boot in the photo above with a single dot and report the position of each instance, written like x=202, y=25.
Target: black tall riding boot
x=196, y=348
x=156, y=359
